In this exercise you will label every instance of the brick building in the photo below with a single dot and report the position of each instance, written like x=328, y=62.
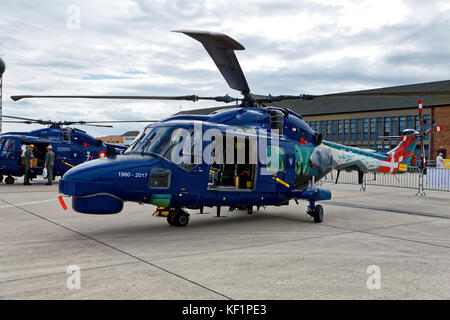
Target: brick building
x=112, y=139
x=363, y=121
x=124, y=139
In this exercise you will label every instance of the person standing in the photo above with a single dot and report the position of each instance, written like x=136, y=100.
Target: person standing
x=439, y=161
x=49, y=162
x=27, y=164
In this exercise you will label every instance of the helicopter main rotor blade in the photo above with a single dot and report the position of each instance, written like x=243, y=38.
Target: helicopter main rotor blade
x=21, y=118
x=221, y=49
x=11, y=121
x=192, y=98
x=119, y=121
x=94, y=125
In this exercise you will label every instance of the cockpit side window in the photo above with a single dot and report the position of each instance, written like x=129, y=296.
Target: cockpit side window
x=276, y=121
x=66, y=134
x=136, y=142
x=8, y=149
x=162, y=141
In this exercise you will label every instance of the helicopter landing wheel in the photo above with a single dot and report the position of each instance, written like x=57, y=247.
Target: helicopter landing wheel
x=9, y=180
x=178, y=218
x=318, y=214
x=1, y=178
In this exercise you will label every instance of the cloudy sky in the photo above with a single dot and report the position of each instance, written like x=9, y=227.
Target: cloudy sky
x=125, y=47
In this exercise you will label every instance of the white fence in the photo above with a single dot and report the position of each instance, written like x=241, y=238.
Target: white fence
x=416, y=178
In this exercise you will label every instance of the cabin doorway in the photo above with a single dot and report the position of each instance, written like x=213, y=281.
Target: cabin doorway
x=233, y=169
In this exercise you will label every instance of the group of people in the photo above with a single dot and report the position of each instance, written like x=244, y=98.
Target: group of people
x=48, y=164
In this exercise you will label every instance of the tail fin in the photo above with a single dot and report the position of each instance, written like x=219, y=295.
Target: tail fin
x=403, y=153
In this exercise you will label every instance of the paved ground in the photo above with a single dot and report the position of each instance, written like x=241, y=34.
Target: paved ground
x=277, y=253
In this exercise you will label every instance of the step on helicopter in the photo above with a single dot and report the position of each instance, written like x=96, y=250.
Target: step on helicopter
x=71, y=146
x=151, y=173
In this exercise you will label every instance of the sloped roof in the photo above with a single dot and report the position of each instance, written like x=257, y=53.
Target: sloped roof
x=130, y=134
x=360, y=104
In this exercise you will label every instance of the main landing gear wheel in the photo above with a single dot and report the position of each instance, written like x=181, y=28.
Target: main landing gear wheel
x=250, y=210
x=318, y=214
x=9, y=180
x=178, y=218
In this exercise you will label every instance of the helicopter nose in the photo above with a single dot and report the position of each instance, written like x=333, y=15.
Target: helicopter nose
x=99, y=186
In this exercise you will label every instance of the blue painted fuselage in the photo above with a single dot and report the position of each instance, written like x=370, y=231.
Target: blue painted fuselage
x=71, y=147
x=102, y=186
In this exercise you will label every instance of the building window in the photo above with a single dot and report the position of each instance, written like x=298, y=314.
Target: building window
x=401, y=124
x=358, y=129
x=340, y=129
x=410, y=122
x=311, y=125
x=329, y=129
x=379, y=127
x=365, y=128
x=346, y=129
x=387, y=147
x=387, y=126
x=394, y=121
x=334, y=130
x=417, y=123
x=322, y=129
x=372, y=129
x=426, y=119
x=317, y=126
x=352, y=129
x=379, y=148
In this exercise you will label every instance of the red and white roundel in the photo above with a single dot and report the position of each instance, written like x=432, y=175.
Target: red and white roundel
x=101, y=154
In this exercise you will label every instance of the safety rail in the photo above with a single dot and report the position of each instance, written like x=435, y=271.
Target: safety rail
x=437, y=179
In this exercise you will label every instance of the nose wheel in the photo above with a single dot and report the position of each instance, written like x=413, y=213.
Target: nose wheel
x=316, y=212
x=178, y=218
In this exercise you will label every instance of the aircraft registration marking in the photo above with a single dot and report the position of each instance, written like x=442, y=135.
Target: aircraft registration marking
x=128, y=174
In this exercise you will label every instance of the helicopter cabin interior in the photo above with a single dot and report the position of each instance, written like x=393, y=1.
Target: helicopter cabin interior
x=39, y=151
x=230, y=170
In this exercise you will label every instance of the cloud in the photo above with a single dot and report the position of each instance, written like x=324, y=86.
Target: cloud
x=126, y=47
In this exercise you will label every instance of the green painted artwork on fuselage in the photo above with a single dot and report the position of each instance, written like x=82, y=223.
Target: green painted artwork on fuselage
x=281, y=158
x=302, y=163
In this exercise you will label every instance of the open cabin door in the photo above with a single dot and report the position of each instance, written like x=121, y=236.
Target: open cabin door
x=234, y=164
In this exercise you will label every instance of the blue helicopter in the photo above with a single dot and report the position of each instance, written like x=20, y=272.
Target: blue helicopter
x=174, y=163
x=71, y=146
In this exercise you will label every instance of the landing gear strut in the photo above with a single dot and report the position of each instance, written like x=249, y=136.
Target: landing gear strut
x=178, y=218
x=316, y=212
